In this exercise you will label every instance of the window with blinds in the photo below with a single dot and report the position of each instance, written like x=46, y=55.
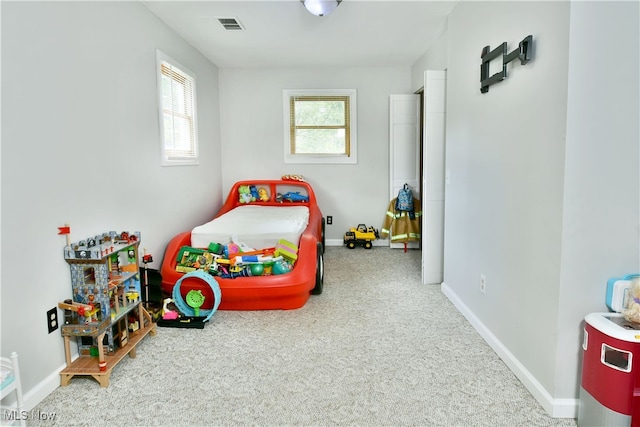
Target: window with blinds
x=177, y=101
x=320, y=126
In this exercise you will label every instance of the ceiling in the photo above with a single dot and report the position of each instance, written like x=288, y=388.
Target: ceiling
x=282, y=33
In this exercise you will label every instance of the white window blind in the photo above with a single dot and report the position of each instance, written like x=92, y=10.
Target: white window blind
x=320, y=126
x=177, y=98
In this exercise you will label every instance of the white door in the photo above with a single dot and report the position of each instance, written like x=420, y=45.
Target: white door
x=433, y=176
x=404, y=140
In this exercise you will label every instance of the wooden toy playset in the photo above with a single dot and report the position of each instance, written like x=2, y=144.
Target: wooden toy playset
x=106, y=314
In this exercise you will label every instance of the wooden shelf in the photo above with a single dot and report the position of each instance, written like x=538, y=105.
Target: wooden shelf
x=90, y=366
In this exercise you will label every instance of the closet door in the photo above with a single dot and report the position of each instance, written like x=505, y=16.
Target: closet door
x=434, y=176
x=404, y=142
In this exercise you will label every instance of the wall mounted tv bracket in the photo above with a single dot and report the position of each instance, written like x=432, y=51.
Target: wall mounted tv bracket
x=524, y=53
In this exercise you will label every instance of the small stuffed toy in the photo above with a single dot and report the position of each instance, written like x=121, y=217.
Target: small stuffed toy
x=245, y=194
x=632, y=310
x=254, y=193
x=263, y=195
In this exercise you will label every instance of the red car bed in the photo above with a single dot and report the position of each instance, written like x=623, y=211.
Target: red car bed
x=256, y=213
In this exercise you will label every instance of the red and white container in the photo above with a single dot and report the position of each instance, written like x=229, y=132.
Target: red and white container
x=610, y=388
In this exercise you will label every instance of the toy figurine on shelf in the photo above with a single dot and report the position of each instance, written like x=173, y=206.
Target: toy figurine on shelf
x=295, y=197
x=254, y=193
x=263, y=195
x=244, y=194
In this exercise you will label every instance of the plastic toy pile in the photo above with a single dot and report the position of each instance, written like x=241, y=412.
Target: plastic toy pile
x=236, y=260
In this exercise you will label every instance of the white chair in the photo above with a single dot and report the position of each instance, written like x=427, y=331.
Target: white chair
x=10, y=382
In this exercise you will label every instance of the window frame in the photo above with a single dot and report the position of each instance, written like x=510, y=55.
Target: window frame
x=193, y=155
x=324, y=158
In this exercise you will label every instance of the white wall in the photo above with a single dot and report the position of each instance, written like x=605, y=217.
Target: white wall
x=253, y=137
x=544, y=192
x=80, y=144
x=601, y=233
x=435, y=58
x=505, y=155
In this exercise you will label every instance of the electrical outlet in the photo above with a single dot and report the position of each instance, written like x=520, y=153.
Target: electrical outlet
x=483, y=284
x=52, y=319
x=329, y=219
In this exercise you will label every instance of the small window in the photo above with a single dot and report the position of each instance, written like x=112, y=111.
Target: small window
x=177, y=107
x=320, y=126
x=89, y=276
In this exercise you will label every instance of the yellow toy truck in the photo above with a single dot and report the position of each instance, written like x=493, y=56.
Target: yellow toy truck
x=360, y=235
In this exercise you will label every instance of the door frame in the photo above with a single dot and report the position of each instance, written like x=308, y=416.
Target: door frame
x=404, y=150
x=433, y=176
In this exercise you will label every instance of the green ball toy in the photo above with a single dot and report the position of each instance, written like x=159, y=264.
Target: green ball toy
x=256, y=269
x=281, y=268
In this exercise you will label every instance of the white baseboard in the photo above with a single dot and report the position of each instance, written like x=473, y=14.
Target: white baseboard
x=557, y=408
x=43, y=389
x=340, y=242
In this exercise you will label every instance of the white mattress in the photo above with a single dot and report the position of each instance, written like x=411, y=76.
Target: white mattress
x=256, y=226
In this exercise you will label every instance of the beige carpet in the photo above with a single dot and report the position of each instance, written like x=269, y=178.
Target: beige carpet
x=377, y=348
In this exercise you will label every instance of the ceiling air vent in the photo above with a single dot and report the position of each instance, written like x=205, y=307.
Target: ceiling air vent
x=231, y=24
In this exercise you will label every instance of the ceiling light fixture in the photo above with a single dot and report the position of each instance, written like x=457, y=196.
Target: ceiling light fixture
x=320, y=7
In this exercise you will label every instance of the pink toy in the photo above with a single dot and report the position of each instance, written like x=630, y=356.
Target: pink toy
x=232, y=249
x=168, y=314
